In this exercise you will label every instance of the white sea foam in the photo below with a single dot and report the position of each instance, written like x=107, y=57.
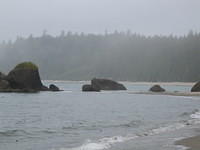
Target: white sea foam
x=168, y=128
x=180, y=147
x=101, y=144
x=89, y=146
x=196, y=115
x=195, y=119
x=107, y=142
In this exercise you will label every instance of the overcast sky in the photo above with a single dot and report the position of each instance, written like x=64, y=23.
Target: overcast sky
x=23, y=17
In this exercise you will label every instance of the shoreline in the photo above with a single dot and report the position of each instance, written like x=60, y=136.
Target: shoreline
x=131, y=82
x=191, y=143
x=161, y=83
x=169, y=93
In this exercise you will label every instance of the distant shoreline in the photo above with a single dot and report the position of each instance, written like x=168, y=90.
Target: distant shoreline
x=169, y=93
x=133, y=82
x=162, y=83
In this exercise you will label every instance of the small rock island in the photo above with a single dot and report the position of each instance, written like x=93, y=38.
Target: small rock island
x=196, y=87
x=103, y=84
x=157, y=88
x=24, y=78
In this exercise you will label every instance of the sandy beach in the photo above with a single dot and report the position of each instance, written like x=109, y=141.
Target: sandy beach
x=161, y=83
x=169, y=93
x=193, y=143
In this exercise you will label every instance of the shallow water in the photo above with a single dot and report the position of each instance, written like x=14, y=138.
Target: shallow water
x=93, y=121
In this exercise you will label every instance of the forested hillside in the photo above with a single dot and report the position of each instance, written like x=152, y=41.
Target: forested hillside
x=118, y=55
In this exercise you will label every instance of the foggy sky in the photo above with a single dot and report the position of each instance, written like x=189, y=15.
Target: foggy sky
x=149, y=17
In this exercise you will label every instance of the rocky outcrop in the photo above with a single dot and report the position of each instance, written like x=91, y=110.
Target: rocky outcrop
x=53, y=87
x=90, y=88
x=24, y=78
x=105, y=84
x=196, y=87
x=157, y=88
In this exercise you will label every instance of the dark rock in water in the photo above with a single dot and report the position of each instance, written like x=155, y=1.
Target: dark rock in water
x=25, y=77
x=105, y=84
x=90, y=88
x=52, y=87
x=156, y=88
x=10, y=90
x=196, y=87
x=4, y=84
x=44, y=88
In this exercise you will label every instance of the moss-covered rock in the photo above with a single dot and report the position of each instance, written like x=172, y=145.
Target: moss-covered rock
x=27, y=65
x=25, y=76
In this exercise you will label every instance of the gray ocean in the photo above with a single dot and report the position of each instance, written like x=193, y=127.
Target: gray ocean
x=111, y=120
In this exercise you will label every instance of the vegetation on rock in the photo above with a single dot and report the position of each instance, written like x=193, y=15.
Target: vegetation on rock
x=26, y=65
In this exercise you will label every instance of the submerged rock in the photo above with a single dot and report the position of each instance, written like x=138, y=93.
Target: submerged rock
x=157, y=88
x=105, y=84
x=196, y=87
x=90, y=88
x=53, y=87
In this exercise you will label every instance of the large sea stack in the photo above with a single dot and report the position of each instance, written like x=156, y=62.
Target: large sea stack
x=24, y=78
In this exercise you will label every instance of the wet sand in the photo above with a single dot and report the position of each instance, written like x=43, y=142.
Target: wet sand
x=161, y=83
x=169, y=93
x=193, y=143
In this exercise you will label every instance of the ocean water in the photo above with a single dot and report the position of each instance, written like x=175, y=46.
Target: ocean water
x=74, y=120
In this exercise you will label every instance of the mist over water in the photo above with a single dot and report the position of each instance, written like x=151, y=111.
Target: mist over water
x=134, y=40
x=77, y=40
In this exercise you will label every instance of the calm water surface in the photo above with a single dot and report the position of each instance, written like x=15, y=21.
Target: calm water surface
x=93, y=121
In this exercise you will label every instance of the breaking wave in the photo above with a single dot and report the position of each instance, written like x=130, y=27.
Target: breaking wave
x=108, y=142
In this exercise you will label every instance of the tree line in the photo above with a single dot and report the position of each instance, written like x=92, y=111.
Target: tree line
x=119, y=55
